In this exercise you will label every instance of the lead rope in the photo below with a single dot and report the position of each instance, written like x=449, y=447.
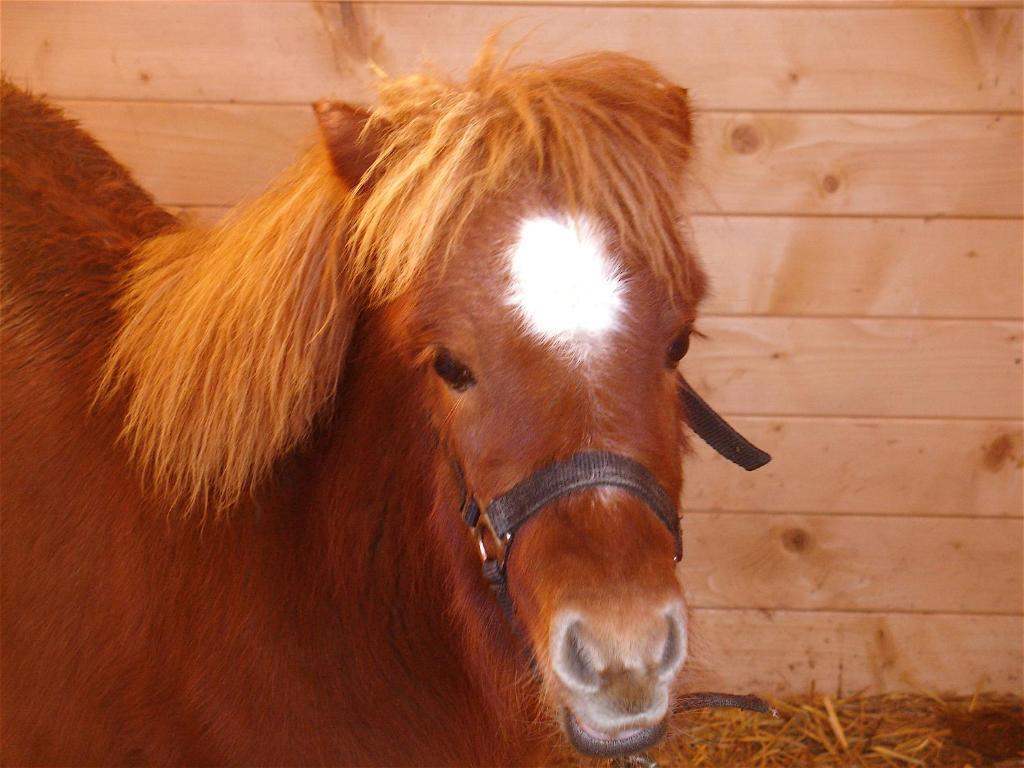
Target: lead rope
x=698, y=701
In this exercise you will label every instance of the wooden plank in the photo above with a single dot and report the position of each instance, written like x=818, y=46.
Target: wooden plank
x=817, y=4
x=878, y=467
x=888, y=59
x=784, y=4
x=931, y=165
x=199, y=154
x=848, y=267
x=863, y=267
x=964, y=165
x=851, y=367
x=201, y=215
x=855, y=563
x=789, y=652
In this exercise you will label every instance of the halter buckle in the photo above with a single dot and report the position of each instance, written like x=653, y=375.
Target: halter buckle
x=481, y=530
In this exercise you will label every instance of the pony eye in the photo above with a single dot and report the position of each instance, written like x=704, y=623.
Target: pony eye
x=678, y=348
x=455, y=373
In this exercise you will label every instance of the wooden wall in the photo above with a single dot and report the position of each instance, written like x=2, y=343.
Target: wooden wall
x=858, y=201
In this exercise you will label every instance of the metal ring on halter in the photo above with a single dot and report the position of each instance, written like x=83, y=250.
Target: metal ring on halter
x=502, y=543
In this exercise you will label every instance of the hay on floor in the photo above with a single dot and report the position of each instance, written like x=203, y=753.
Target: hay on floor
x=898, y=731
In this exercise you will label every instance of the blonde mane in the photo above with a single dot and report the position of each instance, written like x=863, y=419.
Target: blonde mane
x=234, y=337
x=606, y=133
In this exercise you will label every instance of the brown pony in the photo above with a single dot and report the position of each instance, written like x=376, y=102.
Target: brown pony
x=234, y=458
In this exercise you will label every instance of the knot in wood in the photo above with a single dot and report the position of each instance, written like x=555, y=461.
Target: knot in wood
x=796, y=539
x=745, y=139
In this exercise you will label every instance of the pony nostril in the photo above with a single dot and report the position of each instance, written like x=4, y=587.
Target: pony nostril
x=674, y=653
x=574, y=663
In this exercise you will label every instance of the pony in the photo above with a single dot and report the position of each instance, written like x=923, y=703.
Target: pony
x=236, y=457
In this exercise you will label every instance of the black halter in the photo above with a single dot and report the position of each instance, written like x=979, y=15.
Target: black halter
x=507, y=513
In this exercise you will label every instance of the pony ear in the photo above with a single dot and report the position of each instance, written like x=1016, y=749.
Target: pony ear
x=352, y=140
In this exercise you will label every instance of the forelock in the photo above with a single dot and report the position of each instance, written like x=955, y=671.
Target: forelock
x=605, y=134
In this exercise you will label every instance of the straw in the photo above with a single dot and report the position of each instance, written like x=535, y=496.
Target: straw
x=894, y=730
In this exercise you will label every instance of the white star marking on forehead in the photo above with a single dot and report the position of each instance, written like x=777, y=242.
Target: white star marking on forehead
x=563, y=284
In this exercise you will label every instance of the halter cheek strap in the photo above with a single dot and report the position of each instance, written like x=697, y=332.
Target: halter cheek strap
x=716, y=432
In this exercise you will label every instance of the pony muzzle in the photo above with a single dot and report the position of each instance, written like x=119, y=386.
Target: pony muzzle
x=615, y=679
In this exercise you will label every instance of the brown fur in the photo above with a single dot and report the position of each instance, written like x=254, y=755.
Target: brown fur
x=277, y=366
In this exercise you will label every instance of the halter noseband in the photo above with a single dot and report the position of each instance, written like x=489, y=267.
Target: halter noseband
x=507, y=513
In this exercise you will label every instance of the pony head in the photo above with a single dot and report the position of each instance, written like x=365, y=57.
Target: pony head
x=519, y=241
x=527, y=248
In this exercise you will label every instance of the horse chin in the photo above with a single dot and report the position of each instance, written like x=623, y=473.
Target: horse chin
x=597, y=743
